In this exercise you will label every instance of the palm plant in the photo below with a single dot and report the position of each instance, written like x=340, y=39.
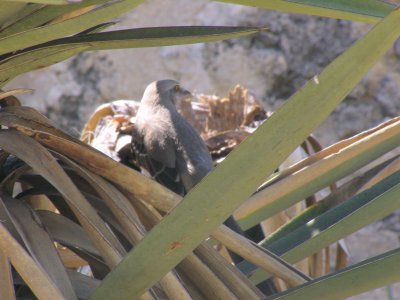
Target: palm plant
x=112, y=217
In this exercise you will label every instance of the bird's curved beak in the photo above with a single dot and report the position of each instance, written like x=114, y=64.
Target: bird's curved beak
x=186, y=94
x=182, y=96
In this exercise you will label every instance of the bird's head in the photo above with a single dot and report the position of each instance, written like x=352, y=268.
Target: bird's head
x=165, y=92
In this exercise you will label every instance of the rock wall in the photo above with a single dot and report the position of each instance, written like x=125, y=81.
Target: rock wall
x=272, y=64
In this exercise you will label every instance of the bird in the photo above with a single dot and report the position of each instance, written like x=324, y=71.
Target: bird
x=168, y=146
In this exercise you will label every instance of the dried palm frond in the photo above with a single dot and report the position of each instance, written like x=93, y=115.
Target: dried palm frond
x=223, y=123
x=67, y=206
x=71, y=214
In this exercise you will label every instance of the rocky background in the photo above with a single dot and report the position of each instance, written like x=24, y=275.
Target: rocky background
x=273, y=65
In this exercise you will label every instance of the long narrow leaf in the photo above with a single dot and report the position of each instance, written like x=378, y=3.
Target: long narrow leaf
x=52, y=2
x=61, y=49
x=52, y=31
x=370, y=11
x=83, y=285
x=222, y=191
x=378, y=271
x=236, y=282
x=232, y=277
x=30, y=271
x=376, y=203
x=127, y=217
x=29, y=118
x=41, y=161
x=343, y=193
x=14, y=92
x=41, y=247
x=36, y=59
x=40, y=128
x=130, y=180
x=154, y=37
x=318, y=175
x=43, y=14
x=9, y=10
x=6, y=278
x=266, y=260
x=66, y=232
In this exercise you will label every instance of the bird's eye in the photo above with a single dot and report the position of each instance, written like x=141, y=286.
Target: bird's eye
x=177, y=88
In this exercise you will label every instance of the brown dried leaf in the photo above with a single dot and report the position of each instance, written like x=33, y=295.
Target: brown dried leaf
x=66, y=232
x=38, y=243
x=8, y=98
x=119, y=111
x=15, y=116
x=240, y=108
x=109, y=127
x=124, y=177
x=6, y=280
x=43, y=163
x=220, y=145
x=31, y=272
x=83, y=285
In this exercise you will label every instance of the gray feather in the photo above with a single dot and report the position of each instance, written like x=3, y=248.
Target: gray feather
x=169, y=143
x=168, y=146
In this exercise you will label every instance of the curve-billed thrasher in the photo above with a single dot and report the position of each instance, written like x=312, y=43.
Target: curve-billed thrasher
x=167, y=146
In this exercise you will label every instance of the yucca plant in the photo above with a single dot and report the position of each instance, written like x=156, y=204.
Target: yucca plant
x=57, y=192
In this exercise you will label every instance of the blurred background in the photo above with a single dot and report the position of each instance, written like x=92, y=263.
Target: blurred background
x=272, y=65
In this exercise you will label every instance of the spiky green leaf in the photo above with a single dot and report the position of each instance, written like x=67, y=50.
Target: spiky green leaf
x=222, y=191
x=369, y=11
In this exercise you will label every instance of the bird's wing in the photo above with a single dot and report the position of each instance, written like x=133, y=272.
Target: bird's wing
x=162, y=168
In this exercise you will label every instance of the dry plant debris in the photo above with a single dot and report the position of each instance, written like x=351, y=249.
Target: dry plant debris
x=222, y=122
x=87, y=209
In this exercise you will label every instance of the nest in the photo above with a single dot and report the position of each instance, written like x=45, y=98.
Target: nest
x=223, y=123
